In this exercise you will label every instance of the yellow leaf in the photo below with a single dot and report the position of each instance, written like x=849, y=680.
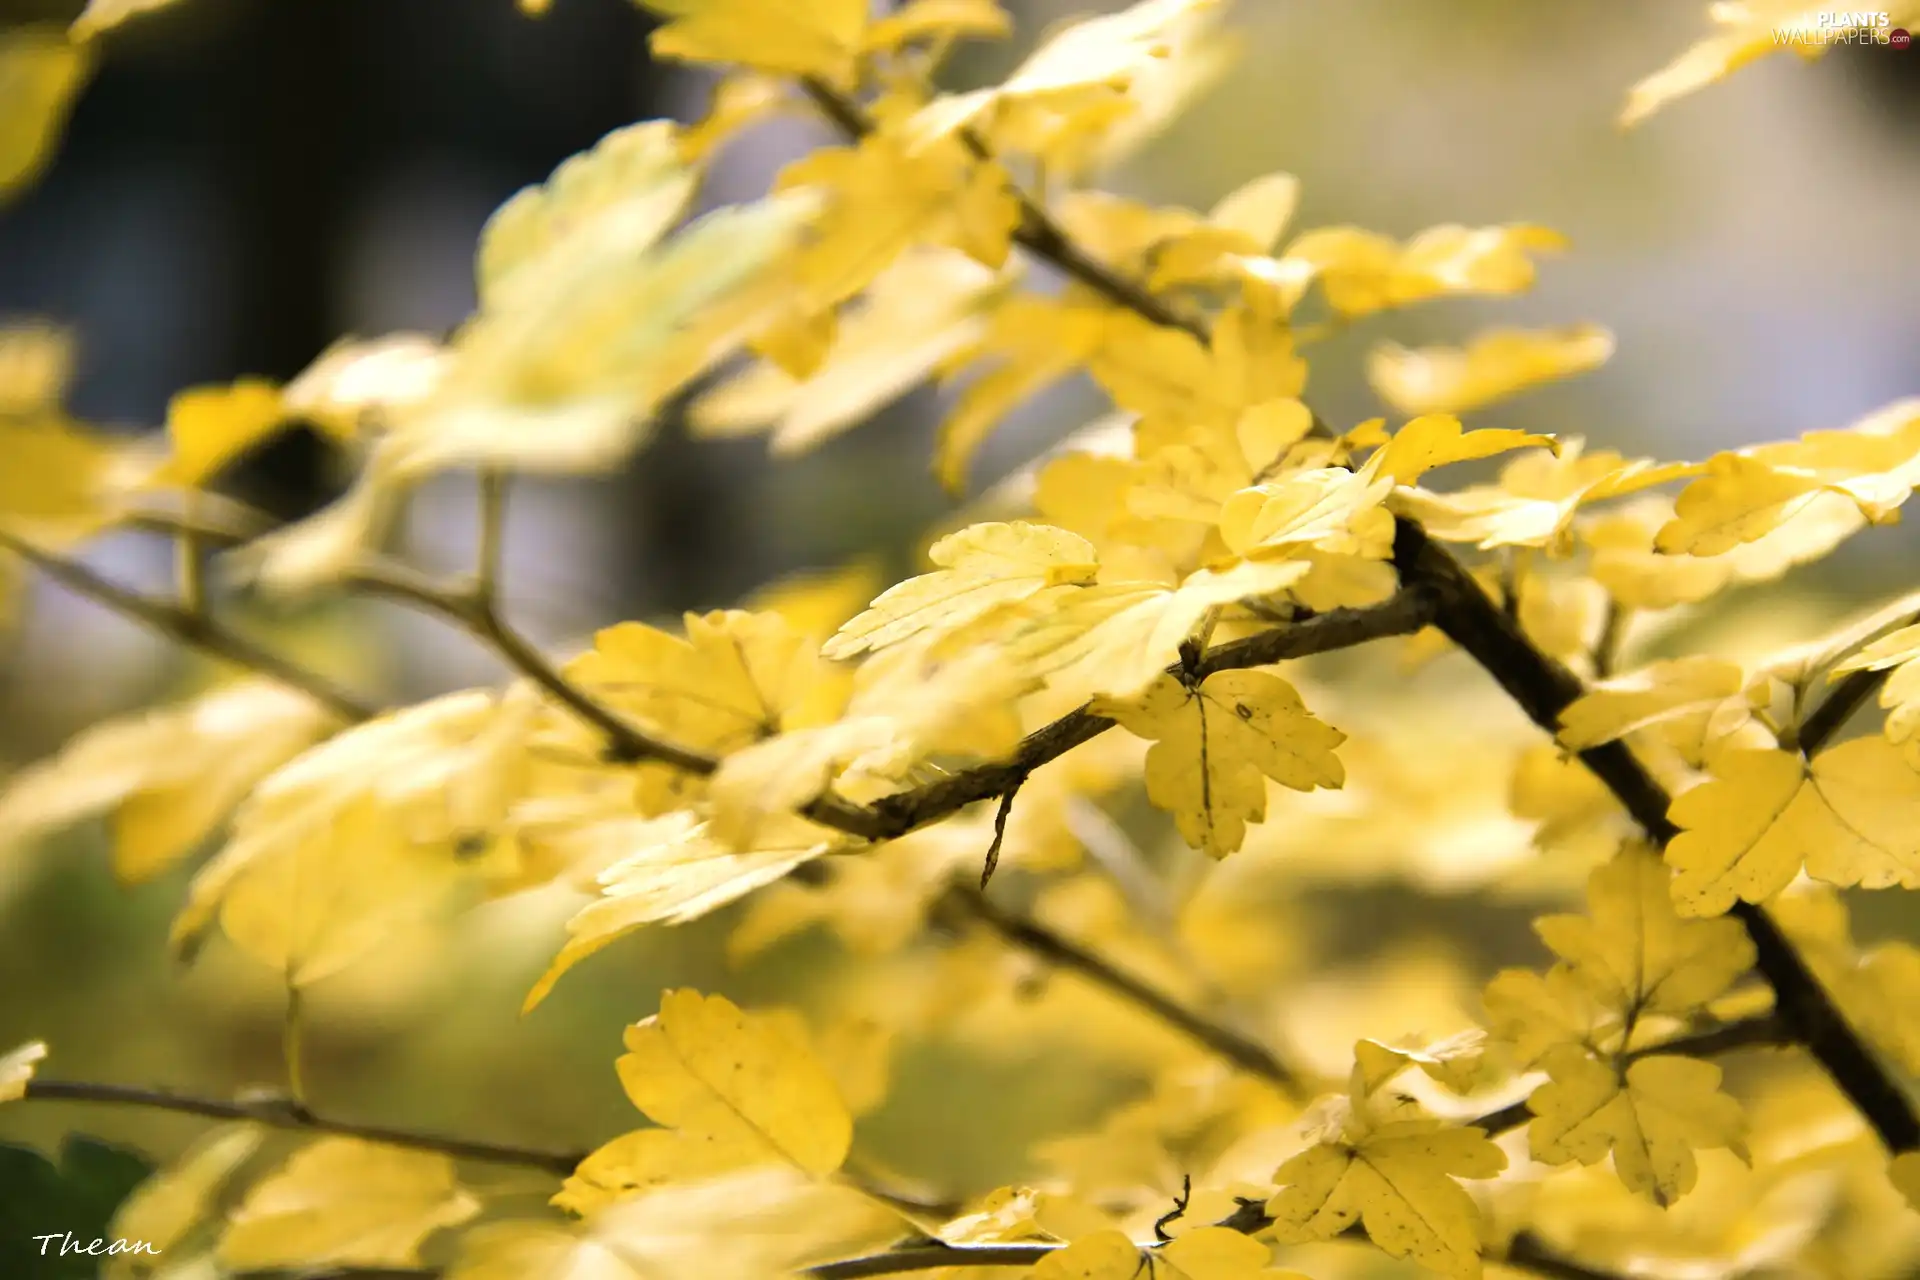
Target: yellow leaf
x=1850, y=818
x=648, y=1158
x=352, y=380
x=1438, y=440
x=1106, y=1255
x=210, y=427
x=1216, y=1253
x=1362, y=272
x=981, y=568
x=676, y=872
x=1455, y=1061
x=1398, y=1181
x=919, y=313
x=1653, y=695
x=1651, y=1121
x=1747, y=32
x=1033, y=343
x=170, y=1203
x=630, y=188
x=746, y=1223
x=1536, y=1014
x=60, y=480
x=1215, y=746
x=705, y=1068
x=732, y=680
x=16, y=1069
x=345, y=1202
x=41, y=73
x=169, y=775
x=588, y=320
x=1327, y=509
x=1536, y=499
x=930, y=20
x=104, y=15
x=36, y=363
x=1496, y=365
x=1905, y=1173
x=1087, y=63
x=822, y=39
x=1634, y=952
x=1116, y=640
x=765, y=781
x=376, y=827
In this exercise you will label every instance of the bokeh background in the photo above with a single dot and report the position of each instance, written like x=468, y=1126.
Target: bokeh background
x=247, y=180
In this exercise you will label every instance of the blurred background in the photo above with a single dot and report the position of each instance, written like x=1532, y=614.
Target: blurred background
x=246, y=180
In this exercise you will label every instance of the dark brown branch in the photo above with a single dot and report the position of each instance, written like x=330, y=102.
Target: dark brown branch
x=1247, y=1054
x=1850, y=693
x=905, y=811
x=284, y=1113
x=1543, y=689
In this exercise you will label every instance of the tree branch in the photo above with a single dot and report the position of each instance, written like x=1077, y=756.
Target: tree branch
x=285, y=1113
x=905, y=811
x=1247, y=1054
x=1543, y=689
x=193, y=630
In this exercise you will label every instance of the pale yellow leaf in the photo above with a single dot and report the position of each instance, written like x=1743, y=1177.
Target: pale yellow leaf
x=1496, y=365
x=41, y=72
x=1851, y=818
x=16, y=1069
x=704, y=1067
x=1651, y=1121
x=981, y=567
x=173, y=1201
x=346, y=1202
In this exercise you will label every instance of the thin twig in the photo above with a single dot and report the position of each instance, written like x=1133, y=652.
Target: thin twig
x=1000, y=817
x=285, y=1113
x=195, y=632
x=1247, y=1054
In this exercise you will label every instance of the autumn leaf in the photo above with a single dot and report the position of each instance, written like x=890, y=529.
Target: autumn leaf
x=676, y=872
x=41, y=73
x=1651, y=1121
x=104, y=15
x=1437, y=440
x=210, y=427
x=346, y=1202
x=1496, y=365
x=822, y=40
x=1634, y=952
x=1215, y=745
x=738, y=1081
x=1848, y=819
x=164, y=1208
x=16, y=1069
x=1398, y=1180
x=1656, y=694
x=981, y=568
x=168, y=776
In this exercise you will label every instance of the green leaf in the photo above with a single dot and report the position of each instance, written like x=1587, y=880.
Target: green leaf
x=72, y=1202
